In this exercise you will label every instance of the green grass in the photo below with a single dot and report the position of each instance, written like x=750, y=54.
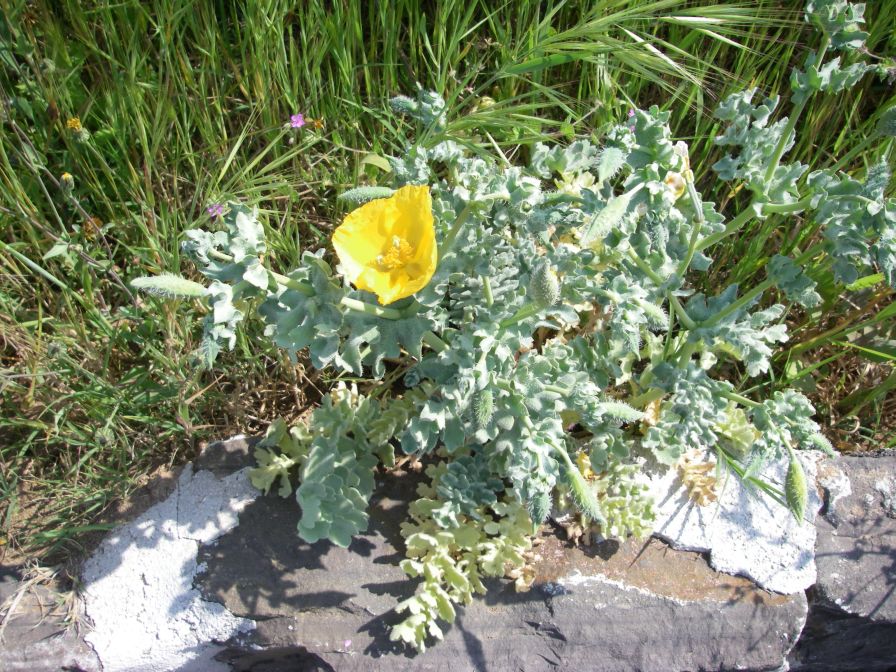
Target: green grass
x=185, y=104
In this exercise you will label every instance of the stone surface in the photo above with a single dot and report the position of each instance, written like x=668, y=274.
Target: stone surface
x=138, y=590
x=856, y=552
x=216, y=578
x=634, y=606
x=834, y=641
x=34, y=633
x=745, y=533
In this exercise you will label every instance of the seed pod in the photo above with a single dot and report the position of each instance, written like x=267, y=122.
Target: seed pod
x=483, y=408
x=544, y=287
x=584, y=497
x=795, y=488
x=619, y=411
x=169, y=286
x=404, y=105
x=364, y=194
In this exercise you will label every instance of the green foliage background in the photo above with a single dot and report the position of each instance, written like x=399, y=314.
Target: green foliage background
x=185, y=104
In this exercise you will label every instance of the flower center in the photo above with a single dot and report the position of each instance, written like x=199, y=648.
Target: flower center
x=396, y=255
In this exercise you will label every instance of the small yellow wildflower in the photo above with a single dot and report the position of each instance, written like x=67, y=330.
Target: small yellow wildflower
x=67, y=181
x=388, y=246
x=74, y=124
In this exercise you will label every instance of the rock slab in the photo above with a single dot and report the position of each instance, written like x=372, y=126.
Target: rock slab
x=613, y=607
x=856, y=551
x=852, y=619
x=215, y=578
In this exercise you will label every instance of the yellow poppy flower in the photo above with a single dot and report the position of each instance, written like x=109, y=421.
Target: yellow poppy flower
x=388, y=246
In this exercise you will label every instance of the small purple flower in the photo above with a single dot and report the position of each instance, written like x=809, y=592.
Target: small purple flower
x=215, y=210
x=297, y=120
x=631, y=114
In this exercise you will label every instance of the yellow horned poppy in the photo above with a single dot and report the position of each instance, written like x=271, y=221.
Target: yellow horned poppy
x=388, y=246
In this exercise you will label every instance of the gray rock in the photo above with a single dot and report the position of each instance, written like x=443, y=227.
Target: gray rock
x=634, y=606
x=834, y=641
x=34, y=635
x=856, y=547
x=629, y=606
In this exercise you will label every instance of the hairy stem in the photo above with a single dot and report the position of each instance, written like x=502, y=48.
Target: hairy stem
x=733, y=226
x=523, y=313
x=370, y=309
x=699, y=219
x=794, y=117
x=448, y=243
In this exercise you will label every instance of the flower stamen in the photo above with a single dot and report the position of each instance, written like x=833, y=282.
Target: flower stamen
x=398, y=254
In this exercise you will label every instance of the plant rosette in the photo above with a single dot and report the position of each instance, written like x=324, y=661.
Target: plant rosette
x=542, y=322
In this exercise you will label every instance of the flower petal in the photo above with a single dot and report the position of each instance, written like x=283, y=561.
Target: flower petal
x=380, y=229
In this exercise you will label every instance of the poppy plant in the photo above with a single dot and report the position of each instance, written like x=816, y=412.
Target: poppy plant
x=388, y=246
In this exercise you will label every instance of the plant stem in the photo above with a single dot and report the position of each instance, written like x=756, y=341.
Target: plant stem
x=649, y=395
x=526, y=311
x=734, y=225
x=645, y=268
x=370, y=309
x=673, y=300
x=740, y=399
x=745, y=300
x=685, y=319
x=302, y=287
x=699, y=219
x=435, y=342
x=683, y=354
x=455, y=229
x=794, y=117
x=787, y=208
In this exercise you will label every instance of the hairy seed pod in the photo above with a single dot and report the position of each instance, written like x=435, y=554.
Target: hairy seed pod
x=483, y=408
x=404, y=105
x=544, y=287
x=584, y=497
x=364, y=194
x=169, y=286
x=795, y=488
